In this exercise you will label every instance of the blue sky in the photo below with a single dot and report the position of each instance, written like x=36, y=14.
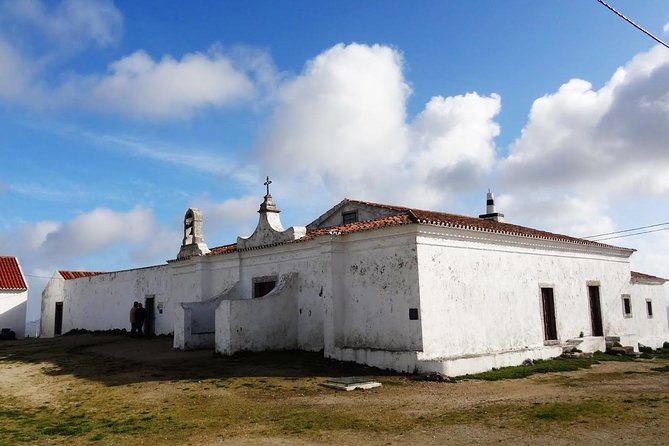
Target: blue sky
x=115, y=117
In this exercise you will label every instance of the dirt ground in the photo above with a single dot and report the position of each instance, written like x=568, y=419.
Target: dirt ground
x=114, y=390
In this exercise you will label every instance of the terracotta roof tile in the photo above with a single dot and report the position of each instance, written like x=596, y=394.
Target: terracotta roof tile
x=405, y=216
x=11, y=277
x=69, y=275
x=480, y=224
x=646, y=277
x=223, y=249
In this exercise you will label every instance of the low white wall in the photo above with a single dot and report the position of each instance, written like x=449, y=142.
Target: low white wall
x=195, y=322
x=264, y=323
x=13, y=311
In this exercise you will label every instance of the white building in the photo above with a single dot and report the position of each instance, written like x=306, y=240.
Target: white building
x=388, y=286
x=13, y=296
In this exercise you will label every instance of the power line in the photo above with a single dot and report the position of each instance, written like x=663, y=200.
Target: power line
x=630, y=235
x=39, y=277
x=627, y=230
x=631, y=22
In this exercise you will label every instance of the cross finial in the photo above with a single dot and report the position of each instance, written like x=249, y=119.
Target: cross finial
x=267, y=183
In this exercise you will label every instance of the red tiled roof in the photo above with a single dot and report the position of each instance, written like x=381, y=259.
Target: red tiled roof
x=11, y=277
x=480, y=224
x=223, y=249
x=641, y=276
x=69, y=275
x=405, y=216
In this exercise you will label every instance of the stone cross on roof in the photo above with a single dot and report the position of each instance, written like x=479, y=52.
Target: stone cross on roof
x=267, y=183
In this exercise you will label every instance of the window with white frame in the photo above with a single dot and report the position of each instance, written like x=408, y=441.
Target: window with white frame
x=627, y=305
x=649, y=308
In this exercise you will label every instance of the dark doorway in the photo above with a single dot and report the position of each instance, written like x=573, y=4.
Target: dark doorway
x=58, y=328
x=548, y=309
x=595, y=311
x=150, y=321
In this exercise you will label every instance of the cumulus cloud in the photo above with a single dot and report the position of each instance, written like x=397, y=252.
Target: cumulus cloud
x=340, y=129
x=70, y=24
x=36, y=36
x=52, y=244
x=569, y=214
x=231, y=217
x=16, y=74
x=98, y=229
x=139, y=86
x=611, y=140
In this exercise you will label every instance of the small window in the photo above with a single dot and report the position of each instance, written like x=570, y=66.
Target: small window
x=413, y=314
x=349, y=217
x=263, y=286
x=627, y=305
x=649, y=308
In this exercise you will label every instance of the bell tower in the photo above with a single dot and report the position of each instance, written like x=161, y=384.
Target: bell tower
x=193, y=242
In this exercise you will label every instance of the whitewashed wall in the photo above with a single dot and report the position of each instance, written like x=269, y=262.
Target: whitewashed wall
x=378, y=287
x=480, y=292
x=263, y=323
x=13, y=311
x=103, y=302
x=52, y=293
x=650, y=331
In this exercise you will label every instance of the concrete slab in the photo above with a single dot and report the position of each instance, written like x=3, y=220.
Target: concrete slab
x=351, y=383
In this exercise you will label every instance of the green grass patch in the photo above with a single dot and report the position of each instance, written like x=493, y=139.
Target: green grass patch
x=35, y=425
x=539, y=366
x=548, y=366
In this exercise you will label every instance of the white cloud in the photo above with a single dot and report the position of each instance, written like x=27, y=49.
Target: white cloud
x=16, y=73
x=567, y=214
x=340, y=129
x=98, y=229
x=70, y=24
x=35, y=37
x=231, y=217
x=140, y=87
x=606, y=141
x=122, y=238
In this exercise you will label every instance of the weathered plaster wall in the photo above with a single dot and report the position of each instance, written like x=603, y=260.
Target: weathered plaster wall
x=650, y=331
x=481, y=292
x=53, y=292
x=263, y=323
x=195, y=322
x=336, y=219
x=13, y=311
x=103, y=302
x=202, y=278
x=378, y=287
x=305, y=259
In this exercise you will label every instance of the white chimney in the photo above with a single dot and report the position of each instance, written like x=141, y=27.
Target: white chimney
x=490, y=209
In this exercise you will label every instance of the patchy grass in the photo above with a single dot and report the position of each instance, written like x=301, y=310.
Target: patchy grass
x=25, y=425
x=539, y=366
x=100, y=390
x=547, y=366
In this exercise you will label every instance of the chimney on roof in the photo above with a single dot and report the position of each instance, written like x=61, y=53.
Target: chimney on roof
x=490, y=209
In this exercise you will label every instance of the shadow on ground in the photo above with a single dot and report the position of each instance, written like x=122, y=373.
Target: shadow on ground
x=118, y=360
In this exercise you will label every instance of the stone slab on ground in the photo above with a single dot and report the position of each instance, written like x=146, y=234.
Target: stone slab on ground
x=351, y=383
